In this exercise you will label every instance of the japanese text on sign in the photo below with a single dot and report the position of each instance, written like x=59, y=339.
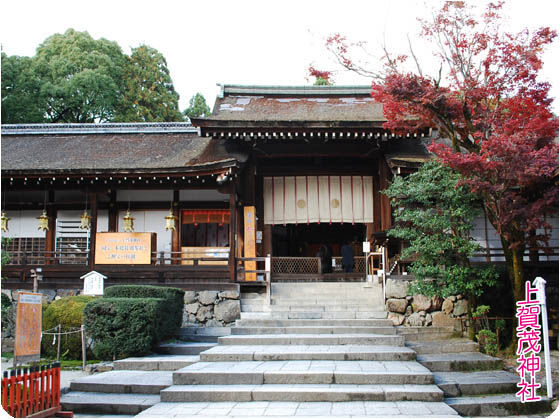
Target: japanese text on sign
x=123, y=248
x=528, y=344
x=28, y=325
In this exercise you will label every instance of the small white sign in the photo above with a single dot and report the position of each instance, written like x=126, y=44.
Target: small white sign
x=259, y=236
x=93, y=283
x=366, y=247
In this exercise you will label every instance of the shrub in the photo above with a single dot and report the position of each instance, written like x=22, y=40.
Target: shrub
x=487, y=341
x=171, y=315
x=8, y=316
x=121, y=327
x=68, y=312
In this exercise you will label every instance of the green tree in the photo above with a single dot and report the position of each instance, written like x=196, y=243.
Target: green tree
x=197, y=107
x=20, y=91
x=435, y=216
x=149, y=95
x=81, y=78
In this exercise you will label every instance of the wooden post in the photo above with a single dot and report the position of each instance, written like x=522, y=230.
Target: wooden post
x=176, y=234
x=113, y=212
x=384, y=179
x=83, y=332
x=51, y=232
x=93, y=230
x=232, y=235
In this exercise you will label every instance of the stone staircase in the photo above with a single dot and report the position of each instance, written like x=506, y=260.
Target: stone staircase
x=134, y=384
x=318, y=349
x=474, y=384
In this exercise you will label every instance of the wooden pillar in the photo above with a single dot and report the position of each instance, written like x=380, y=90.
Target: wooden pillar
x=267, y=240
x=176, y=234
x=384, y=180
x=50, y=235
x=113, y=212
x=93, y=230
x=376, y=200
x=232, y=234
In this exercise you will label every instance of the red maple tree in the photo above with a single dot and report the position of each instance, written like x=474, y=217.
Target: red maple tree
x=492, y=114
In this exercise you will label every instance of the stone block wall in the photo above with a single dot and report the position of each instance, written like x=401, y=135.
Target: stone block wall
x=211, y=308
x=419, y=310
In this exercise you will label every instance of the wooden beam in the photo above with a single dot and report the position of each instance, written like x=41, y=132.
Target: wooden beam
x=232, y=233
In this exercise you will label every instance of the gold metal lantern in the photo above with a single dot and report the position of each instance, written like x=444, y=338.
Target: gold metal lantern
x=5, y=220
x=43, y=221
x=128, y=222
x=85, y=221
x=170, y=222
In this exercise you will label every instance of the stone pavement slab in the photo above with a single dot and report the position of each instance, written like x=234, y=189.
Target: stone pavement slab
x=355, y=409
x=313, y=322
x=307, y=352
x=301, y=392
x=461, y=361
x=450, y=346
x=497, y=405
x=141, y=382
x=91, y=402
x=156, y=362
x=304, y=372
x=477, y=382
x=313, y=339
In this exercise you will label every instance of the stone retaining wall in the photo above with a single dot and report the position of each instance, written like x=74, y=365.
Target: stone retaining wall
x=419, y=310
x=211, y=308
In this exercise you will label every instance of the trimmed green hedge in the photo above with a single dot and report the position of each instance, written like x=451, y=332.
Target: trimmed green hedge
x=122, y=327
x=68, y=312
x=171, y=316
x=131, y=319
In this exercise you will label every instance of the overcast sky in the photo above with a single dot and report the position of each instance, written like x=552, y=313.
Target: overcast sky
x=243, y=42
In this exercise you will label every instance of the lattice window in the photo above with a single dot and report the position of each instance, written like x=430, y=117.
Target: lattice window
x=29, y=250
x=295, y=265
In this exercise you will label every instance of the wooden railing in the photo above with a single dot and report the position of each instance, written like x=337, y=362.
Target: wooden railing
x=48, y=257
x=312, y=265
x=32, y=392
x=265, y=273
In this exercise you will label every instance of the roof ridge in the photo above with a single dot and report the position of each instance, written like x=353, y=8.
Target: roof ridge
x=100, y=128
x=229, y=89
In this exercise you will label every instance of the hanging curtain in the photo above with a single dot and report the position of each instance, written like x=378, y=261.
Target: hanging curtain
x=318, y=199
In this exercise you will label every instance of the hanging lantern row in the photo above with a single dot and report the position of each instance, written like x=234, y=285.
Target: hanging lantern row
x=219, y=178
x=170, y=221
x=85, y=221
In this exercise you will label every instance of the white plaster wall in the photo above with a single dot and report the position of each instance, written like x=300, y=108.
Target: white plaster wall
x=144, y=195
x=23, y=224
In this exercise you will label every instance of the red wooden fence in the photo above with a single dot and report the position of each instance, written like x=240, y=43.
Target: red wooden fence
x=32, y=392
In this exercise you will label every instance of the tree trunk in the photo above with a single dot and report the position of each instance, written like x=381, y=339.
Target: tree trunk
x=514, y=263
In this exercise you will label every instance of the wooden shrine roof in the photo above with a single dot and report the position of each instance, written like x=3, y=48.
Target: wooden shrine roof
x=98, y=148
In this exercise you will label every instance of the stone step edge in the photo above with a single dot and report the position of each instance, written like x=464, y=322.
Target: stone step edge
x=301, y=377
x=497, y=405
x=158, y=363
x=301, y=392
x=108, y=403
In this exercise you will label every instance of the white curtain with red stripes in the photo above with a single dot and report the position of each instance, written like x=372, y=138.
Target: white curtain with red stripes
x=314, y=199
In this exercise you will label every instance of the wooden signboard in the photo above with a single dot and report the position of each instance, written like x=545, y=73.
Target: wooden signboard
x=250, y=242
x=124, y=248
x=28, y=327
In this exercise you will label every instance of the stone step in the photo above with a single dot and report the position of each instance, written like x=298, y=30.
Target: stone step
x=105, y=403
x=299, y=339
x=156, y=362
x=138, y=382
x=184, y=348
x=303, y=372
x=259, y=409
x=301, y=393
x=460, y=361
x=304, y=315
x=320, y=330
x=202, y=334
x=447, y=346
x=455, y=384
x=329, y=300
x=497, y=405
x=310, y=307
x=311, y=322
x=308, y=352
